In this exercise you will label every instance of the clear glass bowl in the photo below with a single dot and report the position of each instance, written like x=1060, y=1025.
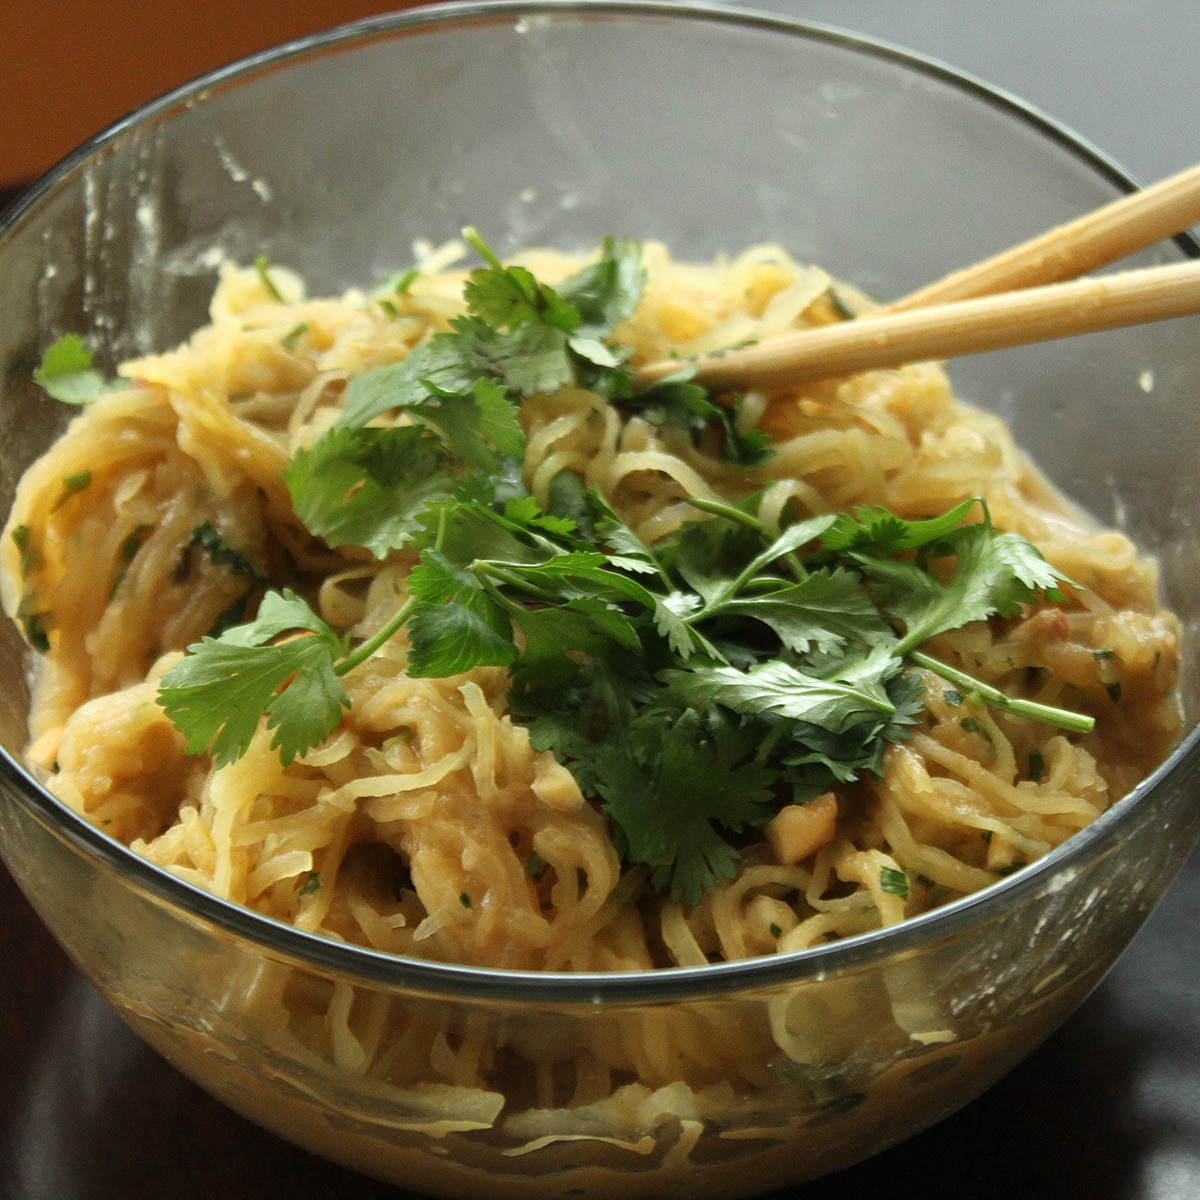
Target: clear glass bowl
x=555, y=123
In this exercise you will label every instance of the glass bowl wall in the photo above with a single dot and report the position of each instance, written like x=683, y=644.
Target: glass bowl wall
x=554, y=124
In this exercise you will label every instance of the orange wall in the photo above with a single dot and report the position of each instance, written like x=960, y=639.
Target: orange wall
x=68, y=68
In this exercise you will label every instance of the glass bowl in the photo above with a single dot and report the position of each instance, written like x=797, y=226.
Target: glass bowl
x=555, y=123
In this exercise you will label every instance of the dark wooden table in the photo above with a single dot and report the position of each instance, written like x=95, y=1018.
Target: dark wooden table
x=1107, y=1109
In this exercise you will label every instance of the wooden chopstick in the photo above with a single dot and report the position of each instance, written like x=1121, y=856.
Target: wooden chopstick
x=1105, y=235
x=947, y=330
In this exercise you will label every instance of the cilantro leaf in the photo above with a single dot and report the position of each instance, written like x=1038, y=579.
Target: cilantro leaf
x=720, y=558
x=710, y=555
x=530, y=359
x=677, y=401
x=445, y=383
x=440, y=366
x=993, y=573
x=743, y=447
x=878, y=531
x=448, y=639
x=844, y=697
x=554, y=638
x=475, y=425
x=218, y=694
x=824, y=611
x=66, y=372
x=673, y=790
x=509, y=297
x=608, y=291
x=368, y=487
x=623, y=545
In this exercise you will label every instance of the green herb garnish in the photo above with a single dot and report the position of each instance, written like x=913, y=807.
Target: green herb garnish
x=36, y=623
x=66, y=372
x=22, y=538
x=72, y=486
x=263, y=266
x=691, y=686
x=291, y=339
x=1037, y=765
x=206, y=537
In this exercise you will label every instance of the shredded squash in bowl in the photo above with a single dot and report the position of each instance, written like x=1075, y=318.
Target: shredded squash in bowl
x=557, y=674
x=409, y=620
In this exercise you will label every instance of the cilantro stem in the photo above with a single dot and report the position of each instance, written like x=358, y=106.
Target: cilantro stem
x=471, y=237
x=1061, y=718
x=740, y=517
x=730, y=513
x=768, y=744
x=490, y=572
x=382, y=635
x=397, y=620
x=262, y=265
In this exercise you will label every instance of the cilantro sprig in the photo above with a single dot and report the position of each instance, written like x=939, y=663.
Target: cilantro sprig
x=281, y=665
x=692, y=686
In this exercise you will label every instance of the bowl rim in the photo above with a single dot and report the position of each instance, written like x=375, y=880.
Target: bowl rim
x=288, y=944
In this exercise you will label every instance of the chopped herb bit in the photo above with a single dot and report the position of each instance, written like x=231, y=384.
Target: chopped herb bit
x=952, y=696
x=310, y=885
x=840, y=306
x=66, y=372
x=72, y=486
x=1012, y=866
x=775, y=931
x=535, y=864
x=1037, y=765
x=971, y=725
x=206, y=537
x=263, y=266
x=291, y=339
x=464, y=899
x=36, y=623
x=134, y=542
x=894, y=881
x=397, y=283
x=22, y=537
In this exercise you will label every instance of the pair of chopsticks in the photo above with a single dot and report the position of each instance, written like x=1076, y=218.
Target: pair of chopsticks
x=1030, y=293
